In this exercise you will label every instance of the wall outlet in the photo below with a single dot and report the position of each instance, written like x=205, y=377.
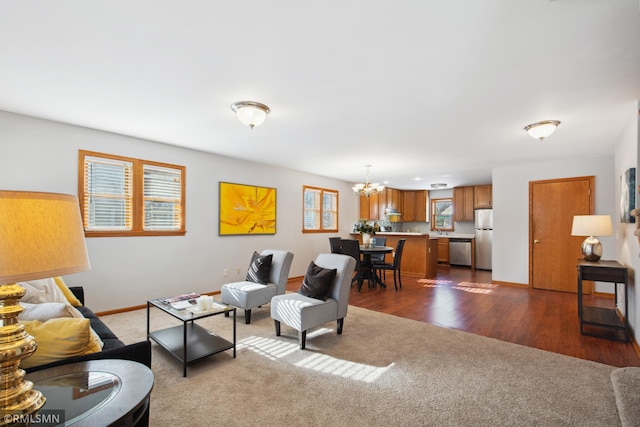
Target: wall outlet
x=226, y=272
x=238, y=270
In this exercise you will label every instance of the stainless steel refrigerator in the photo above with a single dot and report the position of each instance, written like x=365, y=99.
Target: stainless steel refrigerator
x=484, y=238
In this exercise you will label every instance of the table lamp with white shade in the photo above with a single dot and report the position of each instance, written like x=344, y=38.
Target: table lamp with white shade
x=591, y=226
x=41, y=236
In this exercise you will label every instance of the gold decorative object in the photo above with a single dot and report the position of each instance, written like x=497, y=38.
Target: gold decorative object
x=41, y=236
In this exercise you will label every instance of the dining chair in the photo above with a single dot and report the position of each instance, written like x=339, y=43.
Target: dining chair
x=380, y=241
x=395, y=267
x=351, y=247
x=335, y=244
x=380, y=258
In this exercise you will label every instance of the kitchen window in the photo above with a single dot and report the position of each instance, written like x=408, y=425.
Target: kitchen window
x=122, y=196
x=320, y=210
x=442, y=214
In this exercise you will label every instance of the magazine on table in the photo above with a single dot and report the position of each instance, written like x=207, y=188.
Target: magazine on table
x=180, y=302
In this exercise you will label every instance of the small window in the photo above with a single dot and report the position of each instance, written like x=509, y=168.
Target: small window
x=130, y=197
x=320, y=210
x=442, y=214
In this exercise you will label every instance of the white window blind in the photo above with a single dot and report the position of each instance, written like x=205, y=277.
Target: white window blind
x=108, y=194
x=320, y=209
x=329, y=210
x=311, y=209
x=162, y=198
x=123, y=196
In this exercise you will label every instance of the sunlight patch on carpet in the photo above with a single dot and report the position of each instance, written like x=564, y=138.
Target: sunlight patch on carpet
x=268, y=347
x=343, y=368
x=276, y=350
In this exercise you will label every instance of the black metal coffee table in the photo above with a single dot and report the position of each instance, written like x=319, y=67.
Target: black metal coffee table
x=191, y=342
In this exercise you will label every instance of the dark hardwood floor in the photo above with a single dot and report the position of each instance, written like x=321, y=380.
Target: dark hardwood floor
x=459, y=298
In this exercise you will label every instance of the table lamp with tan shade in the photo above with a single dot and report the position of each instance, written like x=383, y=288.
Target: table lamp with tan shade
x=41, y=236
x=591, y=226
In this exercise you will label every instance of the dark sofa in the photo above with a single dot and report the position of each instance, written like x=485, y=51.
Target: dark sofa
x=113, y=347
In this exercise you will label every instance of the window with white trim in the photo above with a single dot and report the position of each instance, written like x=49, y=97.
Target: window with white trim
x=320, y=210
x=125, y=196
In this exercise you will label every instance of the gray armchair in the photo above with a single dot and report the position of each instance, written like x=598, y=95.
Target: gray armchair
x=249, y=295
x=303, y=313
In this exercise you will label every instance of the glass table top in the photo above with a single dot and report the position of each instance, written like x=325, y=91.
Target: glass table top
x=80, y=393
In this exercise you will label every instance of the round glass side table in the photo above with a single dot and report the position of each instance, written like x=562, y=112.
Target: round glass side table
x=107, y=392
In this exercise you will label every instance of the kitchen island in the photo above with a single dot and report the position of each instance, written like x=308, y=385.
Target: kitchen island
x=420, y=255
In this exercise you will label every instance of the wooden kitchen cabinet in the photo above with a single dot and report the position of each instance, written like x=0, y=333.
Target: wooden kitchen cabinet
x=374, y=213
x=463, y=204
x=408, y=206
x=394, y=199
x=414, y=206
x=369, y=208
x=443, y=250
x=382, y=204
x=364, y=208
x=421, y=206
x=482, y=196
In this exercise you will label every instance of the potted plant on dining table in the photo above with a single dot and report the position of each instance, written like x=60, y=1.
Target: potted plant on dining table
x=366, y=230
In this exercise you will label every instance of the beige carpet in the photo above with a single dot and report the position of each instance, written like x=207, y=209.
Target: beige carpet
x=383, y=370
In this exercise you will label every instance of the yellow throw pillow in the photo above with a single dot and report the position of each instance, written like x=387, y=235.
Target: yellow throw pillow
x=59, y=339
x=67, y=292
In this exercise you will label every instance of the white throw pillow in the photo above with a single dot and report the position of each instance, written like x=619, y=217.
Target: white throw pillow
x=47, y=310
x=43, y=290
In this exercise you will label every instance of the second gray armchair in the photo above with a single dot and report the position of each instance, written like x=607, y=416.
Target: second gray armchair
x=303, y=313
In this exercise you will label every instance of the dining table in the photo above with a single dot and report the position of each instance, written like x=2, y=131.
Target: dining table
x=369, y=272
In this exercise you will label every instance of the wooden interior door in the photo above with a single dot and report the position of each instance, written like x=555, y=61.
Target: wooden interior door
x=553, y=252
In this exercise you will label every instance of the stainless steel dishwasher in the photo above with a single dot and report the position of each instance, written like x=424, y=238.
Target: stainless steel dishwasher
x=460, y=251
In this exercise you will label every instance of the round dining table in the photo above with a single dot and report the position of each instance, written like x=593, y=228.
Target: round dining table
x=370, y=274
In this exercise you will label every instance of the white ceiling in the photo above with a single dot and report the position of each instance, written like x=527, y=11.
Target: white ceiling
x=416, y=88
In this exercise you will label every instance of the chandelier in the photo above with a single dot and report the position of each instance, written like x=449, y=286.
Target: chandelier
x=367, y=189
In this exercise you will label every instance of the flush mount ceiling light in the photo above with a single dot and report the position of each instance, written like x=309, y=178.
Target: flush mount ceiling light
x=367, y=189
x=542, y=129
x=250, y=113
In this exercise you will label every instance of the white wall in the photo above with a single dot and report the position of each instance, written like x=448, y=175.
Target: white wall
x=628, y=247
x=41, y=155
x=511, y=209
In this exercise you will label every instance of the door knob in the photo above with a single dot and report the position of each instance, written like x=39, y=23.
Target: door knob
x=536, y=241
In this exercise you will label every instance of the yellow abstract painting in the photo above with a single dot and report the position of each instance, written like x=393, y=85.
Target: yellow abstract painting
x=247, y=209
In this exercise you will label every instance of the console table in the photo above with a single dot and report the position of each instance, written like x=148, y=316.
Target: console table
x=602, y=321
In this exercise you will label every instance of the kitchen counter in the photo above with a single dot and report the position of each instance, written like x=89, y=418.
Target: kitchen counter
x=454, y=235
x=402, y=233
x=431, y=234
x=420, y=255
